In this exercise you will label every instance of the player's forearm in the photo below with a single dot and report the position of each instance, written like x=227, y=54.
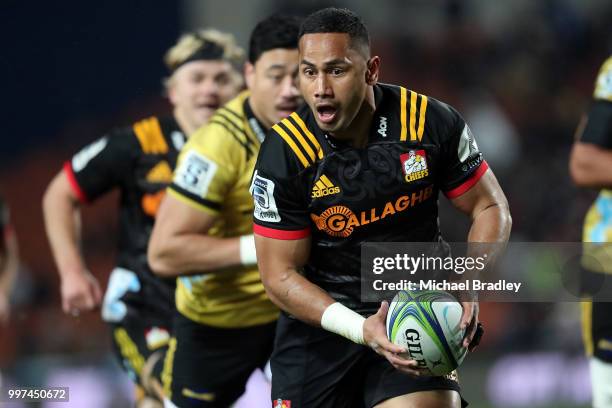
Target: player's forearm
x=192, y=253
x=491, y=224
x=294, y=294
x=591, y=166
x=61, y=216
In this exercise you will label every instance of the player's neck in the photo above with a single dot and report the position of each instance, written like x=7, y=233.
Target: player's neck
x=255, y=104
x=357, y=133
x=186, y=126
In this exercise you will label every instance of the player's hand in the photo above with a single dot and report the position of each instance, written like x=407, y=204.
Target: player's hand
x=80, y=292
x=469, y=322
x=375, y=335
x=5, y=309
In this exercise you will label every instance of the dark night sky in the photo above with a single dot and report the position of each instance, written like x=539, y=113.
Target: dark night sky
x=69, y=59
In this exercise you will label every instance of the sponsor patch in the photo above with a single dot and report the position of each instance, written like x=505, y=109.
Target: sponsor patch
x=281, y=403
x=80, y=160
x=414, y=165
x=262, y=190
x=467, y=144
x=195, y=173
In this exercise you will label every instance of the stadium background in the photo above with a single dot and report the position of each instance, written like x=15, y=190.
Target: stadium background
x=520, y=71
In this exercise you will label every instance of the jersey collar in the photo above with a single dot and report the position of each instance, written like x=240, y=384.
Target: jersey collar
x=372, y=133
x=255, y=124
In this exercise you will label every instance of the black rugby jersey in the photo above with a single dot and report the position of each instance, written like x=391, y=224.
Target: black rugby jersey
x=307, y=183
x=139, y=161
x=598, y=131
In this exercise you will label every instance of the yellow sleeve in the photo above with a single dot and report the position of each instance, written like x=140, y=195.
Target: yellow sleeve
x=206, y=168
x=603, y=85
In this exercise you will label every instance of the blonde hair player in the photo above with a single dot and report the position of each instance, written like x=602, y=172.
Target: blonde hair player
x=138, y=160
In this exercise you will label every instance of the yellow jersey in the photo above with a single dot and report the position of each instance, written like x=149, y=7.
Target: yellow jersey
x=213, y=175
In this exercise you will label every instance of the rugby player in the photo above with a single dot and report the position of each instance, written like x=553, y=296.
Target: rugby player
x=138, y=161
x=9, y=262
x=330, y=177
x=591, y=167
x=224, y=322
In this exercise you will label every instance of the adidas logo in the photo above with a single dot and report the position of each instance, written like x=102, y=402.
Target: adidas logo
x=324, y=187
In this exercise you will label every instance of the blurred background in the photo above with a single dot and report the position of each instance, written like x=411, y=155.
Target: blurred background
x=520, y=71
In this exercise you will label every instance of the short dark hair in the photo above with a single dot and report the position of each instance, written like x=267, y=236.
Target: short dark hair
x=337, y=20
x=276, y=31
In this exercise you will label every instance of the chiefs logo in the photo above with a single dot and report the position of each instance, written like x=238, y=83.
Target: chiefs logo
x=334, y=221
x=281, y=403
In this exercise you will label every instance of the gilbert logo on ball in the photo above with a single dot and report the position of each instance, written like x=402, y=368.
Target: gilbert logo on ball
x=426, y=323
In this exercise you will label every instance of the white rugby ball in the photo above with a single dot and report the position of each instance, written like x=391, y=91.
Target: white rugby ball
x=426, y=323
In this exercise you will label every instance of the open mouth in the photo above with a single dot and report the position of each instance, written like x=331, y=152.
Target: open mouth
x=326, y=113
x=208, y=105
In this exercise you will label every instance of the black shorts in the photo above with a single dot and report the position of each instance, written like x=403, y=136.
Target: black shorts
x=209, y=366
x=596, y=320
x=312, y=367
x=597, y=329
x=134, y=341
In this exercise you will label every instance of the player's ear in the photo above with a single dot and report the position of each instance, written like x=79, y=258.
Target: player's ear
x=171, y=91
x=373, y=70
x=249, y=74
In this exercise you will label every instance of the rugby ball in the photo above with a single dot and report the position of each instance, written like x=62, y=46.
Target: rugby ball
x=426, y=323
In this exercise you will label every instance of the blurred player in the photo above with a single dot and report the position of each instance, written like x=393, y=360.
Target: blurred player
x=9, y=262
x=139, y=161
x=591, y=167
x=224, y=325
x=330, y=177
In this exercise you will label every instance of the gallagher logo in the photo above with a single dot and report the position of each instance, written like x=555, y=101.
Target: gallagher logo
x=414, y=165
x=341, y=221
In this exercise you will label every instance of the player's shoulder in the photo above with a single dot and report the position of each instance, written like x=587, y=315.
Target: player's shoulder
x=419, y=104
x=416, y=113
x=227, y=129
x=603, y=84
x=293, y=143
x=151, y=135
x=230, y=119
x=117, y=141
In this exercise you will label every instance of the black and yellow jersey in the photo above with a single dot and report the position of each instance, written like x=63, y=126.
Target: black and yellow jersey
x=596, y=328
x=137, y=160
x=598, y=131
x=308, y=183
x=213, y=175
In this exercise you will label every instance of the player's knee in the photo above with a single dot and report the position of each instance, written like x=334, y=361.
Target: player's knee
x=424, y=399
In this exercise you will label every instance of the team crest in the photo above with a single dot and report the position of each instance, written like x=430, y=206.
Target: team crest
x=414, y=165
x=281, y=403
